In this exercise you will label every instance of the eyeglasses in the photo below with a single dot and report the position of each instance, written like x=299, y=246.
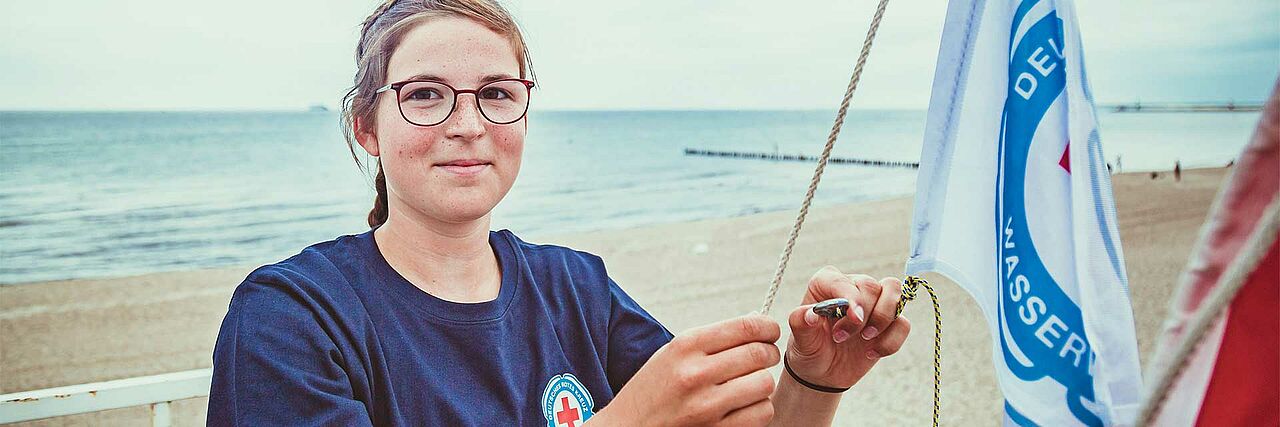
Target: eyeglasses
x=429, y=103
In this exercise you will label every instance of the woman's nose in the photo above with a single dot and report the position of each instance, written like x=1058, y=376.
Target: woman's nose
x=466, y=123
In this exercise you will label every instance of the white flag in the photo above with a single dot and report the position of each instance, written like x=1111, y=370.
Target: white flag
x=1014, y=203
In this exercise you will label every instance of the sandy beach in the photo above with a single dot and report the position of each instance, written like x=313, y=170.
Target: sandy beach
x=686, y=274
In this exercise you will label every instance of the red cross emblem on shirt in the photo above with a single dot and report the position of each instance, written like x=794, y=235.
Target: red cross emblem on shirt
x=566, y=415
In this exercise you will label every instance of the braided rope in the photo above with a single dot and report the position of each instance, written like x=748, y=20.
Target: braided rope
x=909, y=290
x=1211, y=307
x=822, y=161
x=910, y=287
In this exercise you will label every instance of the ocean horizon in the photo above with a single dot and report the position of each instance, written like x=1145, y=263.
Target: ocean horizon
x=94, y=194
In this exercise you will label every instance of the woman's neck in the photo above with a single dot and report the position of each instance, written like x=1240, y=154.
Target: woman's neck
x=452, y=261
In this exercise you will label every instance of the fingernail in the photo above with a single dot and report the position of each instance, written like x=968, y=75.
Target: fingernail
x=810, y=317
x=857, y=312
x=871, y=354
x=840, y=335
x=870, y=332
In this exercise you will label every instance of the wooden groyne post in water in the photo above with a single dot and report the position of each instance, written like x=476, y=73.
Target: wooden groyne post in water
x=799, y=158
x=1230, y=107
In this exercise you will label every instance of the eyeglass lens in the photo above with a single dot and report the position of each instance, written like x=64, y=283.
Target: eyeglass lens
x=430, y=103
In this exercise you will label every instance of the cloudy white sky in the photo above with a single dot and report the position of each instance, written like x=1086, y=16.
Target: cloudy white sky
x=592, y=54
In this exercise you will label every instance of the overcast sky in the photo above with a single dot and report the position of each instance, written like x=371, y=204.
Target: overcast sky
x=593, y=54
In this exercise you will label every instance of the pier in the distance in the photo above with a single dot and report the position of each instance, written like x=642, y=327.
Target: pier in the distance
x=800, y=158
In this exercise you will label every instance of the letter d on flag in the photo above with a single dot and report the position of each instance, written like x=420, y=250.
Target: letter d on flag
x=1014, y=203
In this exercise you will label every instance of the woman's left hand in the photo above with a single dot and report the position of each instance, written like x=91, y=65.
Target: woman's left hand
x=837, y=353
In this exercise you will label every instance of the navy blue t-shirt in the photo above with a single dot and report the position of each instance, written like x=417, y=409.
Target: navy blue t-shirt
x=335, y=336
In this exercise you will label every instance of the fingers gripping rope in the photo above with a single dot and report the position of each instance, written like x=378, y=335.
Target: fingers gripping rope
x=822, y=160
x=909, y=289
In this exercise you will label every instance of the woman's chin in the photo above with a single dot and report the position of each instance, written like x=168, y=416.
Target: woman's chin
x=464, y=216
x=464, y=209
x=455, y=205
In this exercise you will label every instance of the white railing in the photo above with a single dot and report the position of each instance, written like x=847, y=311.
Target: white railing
x=155, y=390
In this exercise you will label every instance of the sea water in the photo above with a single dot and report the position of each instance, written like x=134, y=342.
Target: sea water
x=94, y=194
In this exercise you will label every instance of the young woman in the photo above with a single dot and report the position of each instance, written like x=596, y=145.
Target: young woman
x=430, y=318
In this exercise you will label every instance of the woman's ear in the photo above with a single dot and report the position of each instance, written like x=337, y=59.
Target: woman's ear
x=366, y=137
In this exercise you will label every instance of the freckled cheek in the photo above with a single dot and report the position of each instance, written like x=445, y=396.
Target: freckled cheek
x=510, y=151
x=399, y=139
x=510, y=144
x=412, y=146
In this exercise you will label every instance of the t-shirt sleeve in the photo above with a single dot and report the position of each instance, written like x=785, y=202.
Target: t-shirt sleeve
x=634, y=336
x=275, y=364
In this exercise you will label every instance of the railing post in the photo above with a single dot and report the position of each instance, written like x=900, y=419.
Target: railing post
x=160, y=414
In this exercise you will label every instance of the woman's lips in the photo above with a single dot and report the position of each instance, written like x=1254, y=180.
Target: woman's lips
x=464, y=167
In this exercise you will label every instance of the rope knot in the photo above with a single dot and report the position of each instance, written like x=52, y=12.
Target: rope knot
x=909, y=290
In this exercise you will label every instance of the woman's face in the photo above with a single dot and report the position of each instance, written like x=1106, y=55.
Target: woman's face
x=458, y=170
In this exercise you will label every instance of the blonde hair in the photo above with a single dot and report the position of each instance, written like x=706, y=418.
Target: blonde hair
x=380, y=34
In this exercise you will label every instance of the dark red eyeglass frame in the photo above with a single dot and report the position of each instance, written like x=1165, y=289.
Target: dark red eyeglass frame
x=528, y=84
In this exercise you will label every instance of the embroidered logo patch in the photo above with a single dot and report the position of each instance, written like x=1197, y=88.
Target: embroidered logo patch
x=566, y=402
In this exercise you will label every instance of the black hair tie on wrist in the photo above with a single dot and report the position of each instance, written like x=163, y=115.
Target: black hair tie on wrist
x=813, y=386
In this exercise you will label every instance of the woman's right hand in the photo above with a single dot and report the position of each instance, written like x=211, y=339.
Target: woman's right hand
x=712, y=375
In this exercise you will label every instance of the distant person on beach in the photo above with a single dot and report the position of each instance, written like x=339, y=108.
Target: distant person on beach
x=430, y=318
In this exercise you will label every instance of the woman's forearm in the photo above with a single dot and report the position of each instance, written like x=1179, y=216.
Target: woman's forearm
x=797, y=405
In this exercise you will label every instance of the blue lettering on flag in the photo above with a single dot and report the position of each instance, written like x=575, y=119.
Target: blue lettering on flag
x=1042, y=329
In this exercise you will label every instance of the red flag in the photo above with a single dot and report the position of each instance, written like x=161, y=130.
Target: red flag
x=1218, y=361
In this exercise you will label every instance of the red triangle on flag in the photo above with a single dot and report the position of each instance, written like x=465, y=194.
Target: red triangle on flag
x=1065, y=161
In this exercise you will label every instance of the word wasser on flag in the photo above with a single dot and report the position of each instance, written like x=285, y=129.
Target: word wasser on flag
x=1013, y=202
